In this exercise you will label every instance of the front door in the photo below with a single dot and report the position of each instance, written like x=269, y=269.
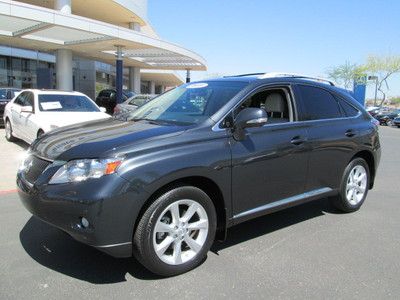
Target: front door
x=270, y=163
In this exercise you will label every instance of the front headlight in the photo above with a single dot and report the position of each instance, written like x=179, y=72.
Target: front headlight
x=83, y=169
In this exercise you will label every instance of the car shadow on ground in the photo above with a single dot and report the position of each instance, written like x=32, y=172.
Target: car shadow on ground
x=56, y=250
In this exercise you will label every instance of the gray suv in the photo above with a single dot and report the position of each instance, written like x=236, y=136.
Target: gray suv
x=165, y=183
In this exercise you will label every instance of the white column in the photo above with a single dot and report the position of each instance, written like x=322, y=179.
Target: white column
x=152, y=87
x=162, y=89
x=64, y=6
x=134, y=26
x=64, y=69
x=134, y=79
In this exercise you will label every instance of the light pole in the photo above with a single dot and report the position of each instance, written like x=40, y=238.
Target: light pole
x=376, y=86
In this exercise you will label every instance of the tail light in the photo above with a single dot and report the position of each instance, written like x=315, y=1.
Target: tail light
x=116, y=109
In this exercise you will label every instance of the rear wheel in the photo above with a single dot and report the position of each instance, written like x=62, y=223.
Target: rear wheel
x=176, y=231
x=354, y=186
x=9, y=133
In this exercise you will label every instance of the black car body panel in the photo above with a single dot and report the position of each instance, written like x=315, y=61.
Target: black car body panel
x=272, y=167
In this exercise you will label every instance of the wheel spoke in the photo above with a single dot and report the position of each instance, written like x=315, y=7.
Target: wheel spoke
x=361, y=177
x=192, y=244
x=175, y=214
x=190, y=212
x=162, y=227
x=201, y=224
x=177, y=252
x=163, y=246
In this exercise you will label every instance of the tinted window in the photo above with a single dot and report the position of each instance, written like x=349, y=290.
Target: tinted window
x=3, y=94
x=138, y=100
x=349, y=110
x=28, y=99
x=20, y=100
x=318, y=104
x=54, y=102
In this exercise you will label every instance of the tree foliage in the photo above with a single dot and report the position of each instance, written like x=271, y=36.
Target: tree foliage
x=346, y=74
x=383, y=67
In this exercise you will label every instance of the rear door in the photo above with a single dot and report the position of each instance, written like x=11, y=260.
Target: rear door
x=331, y=136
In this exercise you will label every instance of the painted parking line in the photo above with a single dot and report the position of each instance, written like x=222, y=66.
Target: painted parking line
x=5, y=192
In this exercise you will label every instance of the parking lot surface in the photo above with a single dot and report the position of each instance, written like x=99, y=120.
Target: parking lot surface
x=310, y=251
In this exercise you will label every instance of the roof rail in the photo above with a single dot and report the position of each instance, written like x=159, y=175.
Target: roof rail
x=244, y=75
x=293, y=75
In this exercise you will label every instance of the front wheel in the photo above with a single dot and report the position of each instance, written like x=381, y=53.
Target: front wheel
x=176, y=231
x=354, y=186
x=9, y=133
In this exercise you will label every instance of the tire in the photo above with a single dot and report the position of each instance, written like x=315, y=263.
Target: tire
x=354, y=186
x=173, y=229
x=9, y=134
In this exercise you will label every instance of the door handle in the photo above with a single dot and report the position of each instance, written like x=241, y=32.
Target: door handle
x=350, y=133
x=298, y=140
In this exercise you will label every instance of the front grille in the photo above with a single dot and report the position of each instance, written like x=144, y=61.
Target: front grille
x=35, y=168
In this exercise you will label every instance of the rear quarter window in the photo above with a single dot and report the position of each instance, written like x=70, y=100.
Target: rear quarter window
x=318, y=104
x=348, y=109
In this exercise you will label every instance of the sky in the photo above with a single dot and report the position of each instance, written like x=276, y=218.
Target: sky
x=307, y=37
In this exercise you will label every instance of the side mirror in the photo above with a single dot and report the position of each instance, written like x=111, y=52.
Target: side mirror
x=103, y=109
x=27, y=109
x=249, y=117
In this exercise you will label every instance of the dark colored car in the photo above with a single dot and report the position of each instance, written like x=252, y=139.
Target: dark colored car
x=124, y=109
x=388, y=117
x=108, y=99
x=396, y=122
x=199, y=159
x=6, y=95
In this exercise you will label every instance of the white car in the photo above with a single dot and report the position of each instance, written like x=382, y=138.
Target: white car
x=34, y=112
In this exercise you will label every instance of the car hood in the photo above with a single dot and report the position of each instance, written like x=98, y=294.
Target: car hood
x=97, y=139
x=61, y=119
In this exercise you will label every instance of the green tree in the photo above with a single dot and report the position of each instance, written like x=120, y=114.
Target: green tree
x=346, y=74
x=383, y=67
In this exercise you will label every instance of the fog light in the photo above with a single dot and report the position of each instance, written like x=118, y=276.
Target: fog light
x=84, y=222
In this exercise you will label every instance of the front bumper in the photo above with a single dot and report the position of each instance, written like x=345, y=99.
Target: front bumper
x=107, y=203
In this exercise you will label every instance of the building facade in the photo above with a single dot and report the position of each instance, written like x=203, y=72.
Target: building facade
x=87, y=46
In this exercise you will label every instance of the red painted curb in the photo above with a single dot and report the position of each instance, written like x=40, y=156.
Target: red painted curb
x=5, y=192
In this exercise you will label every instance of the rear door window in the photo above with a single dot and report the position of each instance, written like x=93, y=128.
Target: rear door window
x=318, y=104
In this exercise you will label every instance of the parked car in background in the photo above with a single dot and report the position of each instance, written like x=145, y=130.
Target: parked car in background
x=131, y=104
x=108, y=98
x=6, y=95
x=197, y=160
x=373, y=110
x=35, y=112
x=396, y=122
x=386, y=118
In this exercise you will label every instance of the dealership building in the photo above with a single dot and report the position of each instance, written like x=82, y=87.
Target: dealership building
x=87, y=45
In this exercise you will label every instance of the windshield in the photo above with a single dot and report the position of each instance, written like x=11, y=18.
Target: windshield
x=77, y=103
x=190, y=103
x=138, y=100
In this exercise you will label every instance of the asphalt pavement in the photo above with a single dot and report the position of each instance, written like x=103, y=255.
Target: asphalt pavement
x=307, y=252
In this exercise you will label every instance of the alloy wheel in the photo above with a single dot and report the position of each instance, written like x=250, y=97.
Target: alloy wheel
x=356, y=184
x=180, y=232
